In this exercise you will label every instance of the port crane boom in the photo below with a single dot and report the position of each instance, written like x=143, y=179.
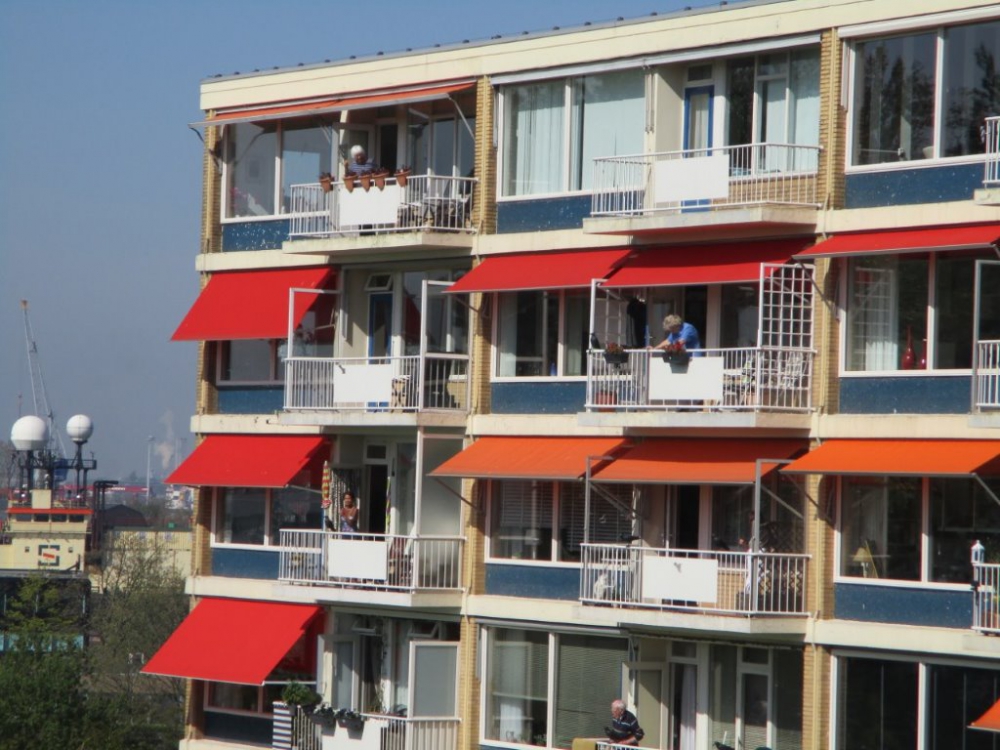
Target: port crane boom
x=39, y=395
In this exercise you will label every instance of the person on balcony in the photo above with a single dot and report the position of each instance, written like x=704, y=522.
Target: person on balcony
x=624, y=729
x=359, y=163
x=348, y=514
x=677, y=330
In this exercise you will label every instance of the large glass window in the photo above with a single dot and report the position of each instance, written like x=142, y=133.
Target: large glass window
x=306, y=152
x=294, y=509
x=517, y=687
x=880, y=532
x=910, y=312
x=962, y=512
x=605, y=118
x=588, y=679
x=249, y=361
x=898, y=86
x=543, y=334
x=243, y=516
x=878, y=704
x=251, y=156
x=522, y=520
x=957, y=697
x=256, y=515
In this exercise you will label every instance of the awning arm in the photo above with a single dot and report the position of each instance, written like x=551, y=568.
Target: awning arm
x=459, y=495
x=464, y=121
x=810, y=269
x=782, y=503
x=986, y=487
x=587, y=486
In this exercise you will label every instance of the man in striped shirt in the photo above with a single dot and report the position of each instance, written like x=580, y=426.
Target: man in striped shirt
x=624, y=729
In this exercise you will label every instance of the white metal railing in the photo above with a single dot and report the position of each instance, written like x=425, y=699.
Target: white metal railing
x=986, y=376
x=371, y=561
x=986, y=597
x=743, y=583
x=425, y=202
x=705, y=179
x=416, y=733
x=738, y=379
x=396, y=384
x=992, y=145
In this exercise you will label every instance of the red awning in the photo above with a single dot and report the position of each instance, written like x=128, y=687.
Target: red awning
x=232, y=640
x=250, y=304
x=526, y=271
x=919, y=458
x=990, y=721
x=970, y=237
x=556, y=458
x=340, y=104
x=247, y=460
x=696, y=461
x=683, y=265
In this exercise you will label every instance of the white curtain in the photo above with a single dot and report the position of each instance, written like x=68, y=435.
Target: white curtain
x=689, y=710
x=534, y=148
x=608, y=115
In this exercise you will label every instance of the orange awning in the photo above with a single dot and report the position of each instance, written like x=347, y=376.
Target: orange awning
x=338, y=104
x=696, y=461
x=917, y=458
x=990, y=721
x=556, y=458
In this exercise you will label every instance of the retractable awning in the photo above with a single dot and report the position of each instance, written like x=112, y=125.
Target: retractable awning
x=232, y=640
x=945, y=458
x=250, y=304
x=696, y=461
x=969, y=237
x=334, y=104
x=728, y=263
x=555, y=458
x=990, y=721
x=539, y=271
x=247, y=460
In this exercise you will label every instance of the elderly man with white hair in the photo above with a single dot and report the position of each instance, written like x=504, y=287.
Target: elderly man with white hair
x=624, y=729
x=359, y=163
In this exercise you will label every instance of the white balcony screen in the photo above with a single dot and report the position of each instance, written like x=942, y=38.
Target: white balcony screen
x=698, y=178
x=680, y=578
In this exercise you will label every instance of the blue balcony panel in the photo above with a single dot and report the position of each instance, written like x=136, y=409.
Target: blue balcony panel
x=903, y=606
x=533, y=581
x=251, y=399
x=543, y=215
x=900, y=187
x=920, y=395
x=538, y=398
x=254, y=235
x=242, y=728
x=259, y=564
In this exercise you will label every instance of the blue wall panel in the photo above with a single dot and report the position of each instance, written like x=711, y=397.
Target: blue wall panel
x=543, y=214
x=245, y=563
x=243, y=728
x=927, y=607
x=533, y=581
x=254, y=235
x=251, y=399
x=928, y=395
x=537, y=398
x=910, y=186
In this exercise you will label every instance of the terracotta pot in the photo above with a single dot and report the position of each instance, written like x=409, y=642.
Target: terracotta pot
x=366, y=182
x=380, y=179
x=349, y=182
x=326, y=182
x=401, y=176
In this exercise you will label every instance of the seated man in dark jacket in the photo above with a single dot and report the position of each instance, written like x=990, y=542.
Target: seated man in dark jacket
x=624, y=729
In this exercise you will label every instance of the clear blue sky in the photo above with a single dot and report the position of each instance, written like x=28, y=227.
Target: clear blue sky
x=100, y=187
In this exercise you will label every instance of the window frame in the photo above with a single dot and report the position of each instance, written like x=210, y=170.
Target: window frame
x=561, y=343
x=275, y=365
x=219, y=520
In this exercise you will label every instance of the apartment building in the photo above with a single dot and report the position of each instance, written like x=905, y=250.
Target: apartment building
x=787, y=536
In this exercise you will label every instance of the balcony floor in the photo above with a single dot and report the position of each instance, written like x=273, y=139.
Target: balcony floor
x=697, y=419
x=385, y=243
x=423, y=600
x=721, y=223
x=369, y=419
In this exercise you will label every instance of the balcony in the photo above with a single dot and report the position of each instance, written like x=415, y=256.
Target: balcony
x=379, y=732
x=707, y=582
x=426, y=211
x=770, y=185
x=986, y=598
x=404, y=566
x=747, y=386
x=986, y=378
x=386, y=385
x=989, y=195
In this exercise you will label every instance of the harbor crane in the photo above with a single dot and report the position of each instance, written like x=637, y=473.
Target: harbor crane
x=39, y=395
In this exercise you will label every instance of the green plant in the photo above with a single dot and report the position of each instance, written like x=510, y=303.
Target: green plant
x=297, y=694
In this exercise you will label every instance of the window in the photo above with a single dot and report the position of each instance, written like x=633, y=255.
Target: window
x=774, y=99
x=243, y=516
x=898, y=86
x=882, y=527
x=910, y=312
x=553, y=130
x=443, y=146
x=543, y=334
x=958, y=696
x=524, y=513
x=250, y=155
x=306, y=153
x=250, y=361
x=447, y=323
x=256, y=515
x=587, y=677
x=878, y=704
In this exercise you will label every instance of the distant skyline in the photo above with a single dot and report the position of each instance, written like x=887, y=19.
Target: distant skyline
x=100, y=186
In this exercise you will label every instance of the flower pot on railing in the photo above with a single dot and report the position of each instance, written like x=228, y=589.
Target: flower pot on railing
x=350, y=181
x=616, y=357
x=402, y=175
x=366, y=181
x=677, y=359
x=326, y=182
x=379, y=178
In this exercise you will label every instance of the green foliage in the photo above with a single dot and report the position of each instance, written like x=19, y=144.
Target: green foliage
x=297, y=694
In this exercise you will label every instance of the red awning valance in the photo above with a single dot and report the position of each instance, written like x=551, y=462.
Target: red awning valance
x=250, y=304
x=679, y=265
x=531, y=271
x=232, y=640
x=247, y=460
x=555, y=458
x=696, y=461
x=921, y=458
x=970, y=237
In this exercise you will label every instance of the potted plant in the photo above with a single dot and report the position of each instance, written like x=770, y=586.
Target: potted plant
x=324, y=714
x=379, y=177
x=676, y=355
x=297, y=694
x=349, y=719
x=402, y=175
x=615, y=354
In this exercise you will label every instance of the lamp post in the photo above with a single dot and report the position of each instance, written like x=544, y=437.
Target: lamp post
x=149, y=464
